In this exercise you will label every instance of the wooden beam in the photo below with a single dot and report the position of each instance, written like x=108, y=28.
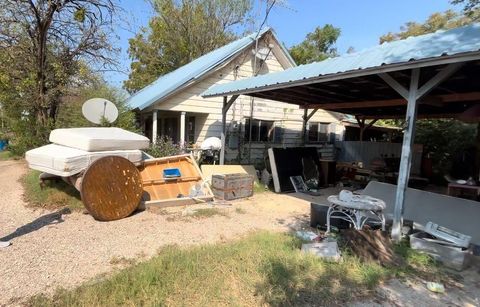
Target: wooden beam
x=309, y=116
x=406, y=156
x=394, y=84
x=419, y=116
x=441, y=76
x=438, y=100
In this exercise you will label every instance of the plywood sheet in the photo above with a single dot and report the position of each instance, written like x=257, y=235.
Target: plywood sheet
x=209, y=170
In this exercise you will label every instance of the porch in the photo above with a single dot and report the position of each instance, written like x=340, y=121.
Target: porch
x=180, y=126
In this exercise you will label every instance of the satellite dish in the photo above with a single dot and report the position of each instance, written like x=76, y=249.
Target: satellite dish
x=97, y=108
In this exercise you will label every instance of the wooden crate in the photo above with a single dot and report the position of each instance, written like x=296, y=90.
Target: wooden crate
x=232, y=186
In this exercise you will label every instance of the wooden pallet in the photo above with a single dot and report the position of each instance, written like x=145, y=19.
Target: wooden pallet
x=160, y=192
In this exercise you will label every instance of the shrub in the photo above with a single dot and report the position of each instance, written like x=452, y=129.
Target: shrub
x=164, y=147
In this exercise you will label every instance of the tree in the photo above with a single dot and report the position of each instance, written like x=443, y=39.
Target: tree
x=470, y=5
x=181, y=32
x=443, y=139
x=70, y=115
x=437, y=21
x=44, y=44
x=317, y=46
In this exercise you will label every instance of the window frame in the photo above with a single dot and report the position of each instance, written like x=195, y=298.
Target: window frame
x=319, y=135
x=257, y=129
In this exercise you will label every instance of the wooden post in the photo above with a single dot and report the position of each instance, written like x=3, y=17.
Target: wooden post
x=304, y=126
x=182, y=130
x=406, y=158
x=226, y=105
x=154, y=127
x=224, y=130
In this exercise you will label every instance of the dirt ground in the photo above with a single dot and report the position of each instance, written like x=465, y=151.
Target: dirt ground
x=62, y=249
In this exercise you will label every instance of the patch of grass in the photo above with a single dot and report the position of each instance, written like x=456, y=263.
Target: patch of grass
x=122, y=261
x=261, y=269
x=208, y=212
x=54, y=195
x=7, y=155
x=259, y=188
x=240, y=210
x=418, y=263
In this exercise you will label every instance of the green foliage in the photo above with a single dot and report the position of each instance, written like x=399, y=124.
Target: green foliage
x=442, y=139
x=437, y=21
x=181, y=32
x=317, y=46
x=45, y=46
x=7, y=155
x=54, y=195
x=469, y=5
x=164, y=148
x=70, y=112
x=263, y=269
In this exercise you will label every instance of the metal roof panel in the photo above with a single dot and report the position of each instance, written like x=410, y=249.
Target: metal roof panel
x=450, y=42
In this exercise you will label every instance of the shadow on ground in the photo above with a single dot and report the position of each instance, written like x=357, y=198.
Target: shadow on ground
x=44, y=220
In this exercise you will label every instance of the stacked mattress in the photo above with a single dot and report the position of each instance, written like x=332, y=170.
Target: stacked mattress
x=75, y=149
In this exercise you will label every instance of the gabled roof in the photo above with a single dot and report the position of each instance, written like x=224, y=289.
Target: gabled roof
x=395, y=56
x=183, y=76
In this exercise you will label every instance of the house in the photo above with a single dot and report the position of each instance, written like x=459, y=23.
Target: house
x=172, y=105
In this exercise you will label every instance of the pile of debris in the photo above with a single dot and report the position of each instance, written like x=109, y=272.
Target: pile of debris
x=114, y=177
x=445, y=245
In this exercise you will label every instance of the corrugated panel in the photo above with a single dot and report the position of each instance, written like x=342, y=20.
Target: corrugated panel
x=170, y=82
x=366, y=152
x=441, y=43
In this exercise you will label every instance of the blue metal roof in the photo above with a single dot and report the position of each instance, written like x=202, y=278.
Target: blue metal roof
x=441, y=43
x=168, y=83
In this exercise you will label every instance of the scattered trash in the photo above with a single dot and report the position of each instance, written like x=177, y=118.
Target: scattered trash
x=326, y=250
x=435, y=287
x=4, y=244
x=171, y=173
x=188, y=212
x=266, y=178
x=196, y=190
x=459, y=239
x=306, y=235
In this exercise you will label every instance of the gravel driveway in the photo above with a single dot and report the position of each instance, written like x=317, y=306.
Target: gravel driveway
x=62, y=249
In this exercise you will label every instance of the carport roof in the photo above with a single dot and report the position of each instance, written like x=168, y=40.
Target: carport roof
x=340, y=83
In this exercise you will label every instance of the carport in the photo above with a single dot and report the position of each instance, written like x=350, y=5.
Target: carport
x=430, y=76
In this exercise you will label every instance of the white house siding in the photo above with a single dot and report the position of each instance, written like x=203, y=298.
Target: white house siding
x=287, y=116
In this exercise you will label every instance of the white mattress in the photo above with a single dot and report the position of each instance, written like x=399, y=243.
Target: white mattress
x=65, y=161
x=99, y=139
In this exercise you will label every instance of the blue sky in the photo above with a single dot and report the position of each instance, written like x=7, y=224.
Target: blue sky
x=362, y=22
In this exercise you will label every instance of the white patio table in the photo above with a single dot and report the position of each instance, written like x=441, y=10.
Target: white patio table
x=356, y=210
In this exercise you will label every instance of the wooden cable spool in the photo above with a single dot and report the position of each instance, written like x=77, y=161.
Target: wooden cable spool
x=111, y=188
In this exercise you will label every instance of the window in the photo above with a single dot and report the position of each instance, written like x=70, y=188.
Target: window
x=317, y=132
x=263, y=131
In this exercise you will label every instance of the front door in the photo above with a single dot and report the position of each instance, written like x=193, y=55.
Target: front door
x=170, y=128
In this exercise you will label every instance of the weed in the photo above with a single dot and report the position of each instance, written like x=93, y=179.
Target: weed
x=208, y=212
x=240, y=210
x=54, y=195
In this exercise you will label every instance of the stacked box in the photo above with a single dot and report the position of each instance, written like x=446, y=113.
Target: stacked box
x=232, y=186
